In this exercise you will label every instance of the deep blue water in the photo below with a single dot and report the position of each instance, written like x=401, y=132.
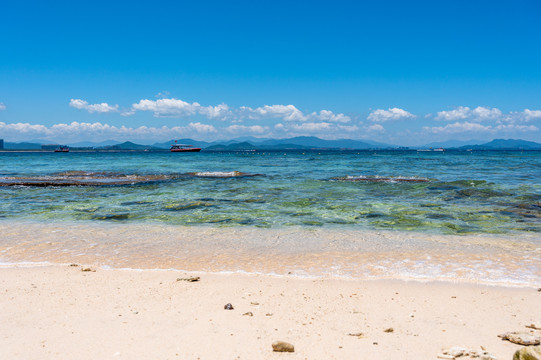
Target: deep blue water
x=448, y=192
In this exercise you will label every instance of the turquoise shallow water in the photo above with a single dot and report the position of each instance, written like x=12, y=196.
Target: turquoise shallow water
x=448, y=193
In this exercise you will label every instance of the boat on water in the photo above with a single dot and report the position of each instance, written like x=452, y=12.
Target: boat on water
x=430, y=150
x=184, y=148
x=62, y=148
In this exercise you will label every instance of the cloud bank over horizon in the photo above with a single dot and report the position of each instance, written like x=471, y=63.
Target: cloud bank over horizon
x=220, y=122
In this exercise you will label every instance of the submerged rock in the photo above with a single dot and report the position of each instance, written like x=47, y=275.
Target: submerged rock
x=521, y=338
x=528, y=353
x=282, y=346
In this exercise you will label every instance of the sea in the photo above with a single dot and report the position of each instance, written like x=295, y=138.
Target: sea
x=472, y=216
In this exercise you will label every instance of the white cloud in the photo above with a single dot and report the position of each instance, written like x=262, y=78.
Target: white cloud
x=92, y=108
x=179, y=108
x=24, y=129
x=2, y=106
x=286, y=112
x=312, y=127
x=202, y=128
x=517, y=128
x=531, y=114
x=162, y=94
x=242, y=129
x=458, y=127
x=480, y=113
x=459, y=113
x=327, y=115
x=470, y=127
x=483, y=113
x=76, y=131
x=167, y=107
x=220, y=112
x=376, y=128
x=381, y=115
x=348, y=128
x=325, y=130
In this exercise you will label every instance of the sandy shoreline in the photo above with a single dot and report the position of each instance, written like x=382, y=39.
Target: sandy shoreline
x=305, y=252
x=61, y=312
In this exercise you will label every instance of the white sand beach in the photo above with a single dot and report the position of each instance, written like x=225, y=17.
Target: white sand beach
x=62, y=312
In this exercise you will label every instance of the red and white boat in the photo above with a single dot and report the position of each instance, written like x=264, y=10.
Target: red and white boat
x=184, y=148
x=62, y=148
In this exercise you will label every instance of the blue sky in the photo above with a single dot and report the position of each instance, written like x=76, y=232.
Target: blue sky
x=401, y=72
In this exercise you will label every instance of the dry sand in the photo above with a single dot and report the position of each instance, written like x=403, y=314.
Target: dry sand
x=61, y=312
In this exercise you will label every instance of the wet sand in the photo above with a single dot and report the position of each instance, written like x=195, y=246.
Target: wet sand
x=338, y=253
x=62, y=312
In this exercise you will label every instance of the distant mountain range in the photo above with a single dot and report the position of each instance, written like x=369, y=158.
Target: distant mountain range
x=295, y=143
x=502, y=144
x=452, y=144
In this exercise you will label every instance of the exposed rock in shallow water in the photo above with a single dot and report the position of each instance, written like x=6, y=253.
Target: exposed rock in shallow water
x=528, y=353
x=521, y=338
x=222, y=174
x=282, y=346
x=382, y=179
x=82, y=178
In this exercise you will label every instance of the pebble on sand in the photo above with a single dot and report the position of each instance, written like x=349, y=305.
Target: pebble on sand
x=282, y=346
x=459, y=351
x=528, y=353
x=88, y=269
x=521, y=338
x=228, y=306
